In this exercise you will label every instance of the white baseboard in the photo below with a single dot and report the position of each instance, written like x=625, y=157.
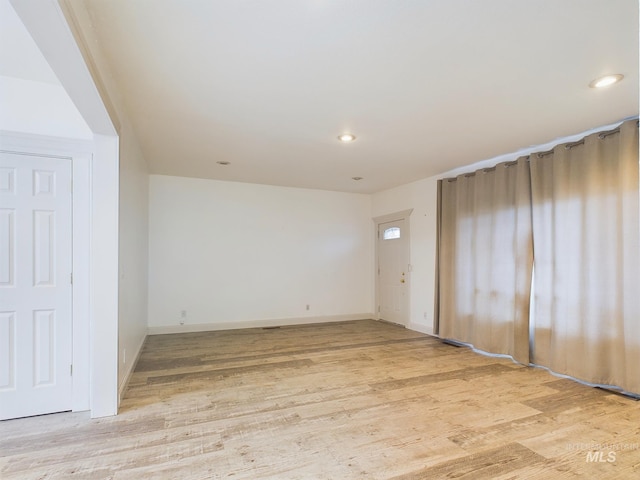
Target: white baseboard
x=274, y=322
x=421, y=327
x=132, y=366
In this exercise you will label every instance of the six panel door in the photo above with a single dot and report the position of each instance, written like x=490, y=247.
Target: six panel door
x=35, y=285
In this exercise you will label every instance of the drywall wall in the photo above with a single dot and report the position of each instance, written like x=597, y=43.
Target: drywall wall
x=39, y=108
x=421, y=196
x=104, y=277
x=133, y=244
x=237, y=255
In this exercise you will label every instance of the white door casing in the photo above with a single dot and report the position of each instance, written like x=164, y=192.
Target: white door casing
x=35, y=285
x=393, y=274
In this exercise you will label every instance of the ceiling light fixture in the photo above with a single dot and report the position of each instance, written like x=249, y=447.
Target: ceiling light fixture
x=223, y=163
x=356, y=178
x=346, y=137
x=606, y=80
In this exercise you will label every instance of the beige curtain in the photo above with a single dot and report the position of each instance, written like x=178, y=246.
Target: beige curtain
x=586, y=239
x=485, y=259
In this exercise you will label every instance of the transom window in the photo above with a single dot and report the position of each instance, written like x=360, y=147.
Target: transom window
x=391, y=233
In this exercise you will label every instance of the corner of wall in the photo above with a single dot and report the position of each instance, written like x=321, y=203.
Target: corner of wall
x=126, y=378
x=420, y=327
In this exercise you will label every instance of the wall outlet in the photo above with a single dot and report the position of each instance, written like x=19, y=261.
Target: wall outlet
x=183, y=317
x=425, y=316
x=308, y=307
x=124, y=356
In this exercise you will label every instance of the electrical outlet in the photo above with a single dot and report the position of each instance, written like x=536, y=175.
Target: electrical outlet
x=124, y=356
x=183, y=317
x=308, y=307
x=425, y=315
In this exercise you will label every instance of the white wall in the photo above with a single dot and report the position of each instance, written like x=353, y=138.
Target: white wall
x=104, y=277
x=422, y=197
x=133, y=254
x=236, y=255
x=39, y=108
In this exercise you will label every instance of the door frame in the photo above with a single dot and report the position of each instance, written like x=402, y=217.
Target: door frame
x=79, y=152
x=393, y=217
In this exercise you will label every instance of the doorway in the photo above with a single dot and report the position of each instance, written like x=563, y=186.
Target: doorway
x=393, y=274
x=36, y=341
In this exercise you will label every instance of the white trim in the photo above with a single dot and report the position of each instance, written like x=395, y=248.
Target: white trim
x=44, y=145
x=390, y=217
x=81, y=281
x=274, y=322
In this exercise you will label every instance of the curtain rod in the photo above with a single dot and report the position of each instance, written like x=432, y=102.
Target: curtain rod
x=610, y=132
x=568, y=146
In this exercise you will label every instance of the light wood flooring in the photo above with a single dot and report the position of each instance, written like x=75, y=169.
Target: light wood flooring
x=352, y=400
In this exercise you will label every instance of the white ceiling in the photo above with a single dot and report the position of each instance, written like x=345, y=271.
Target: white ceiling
x=426, y=86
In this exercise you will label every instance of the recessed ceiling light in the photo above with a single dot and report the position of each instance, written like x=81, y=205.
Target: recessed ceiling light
x=606, y=80
x=356, y=178
x=223, y=163
x=346, y=137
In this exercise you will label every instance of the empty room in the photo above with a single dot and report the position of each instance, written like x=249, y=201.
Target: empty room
x=341, y=239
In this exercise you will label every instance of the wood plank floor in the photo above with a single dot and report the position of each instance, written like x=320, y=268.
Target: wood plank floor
x=352, y=400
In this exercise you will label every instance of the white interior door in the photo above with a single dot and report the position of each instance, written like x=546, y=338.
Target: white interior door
x=393, y=275
x=35, y=285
